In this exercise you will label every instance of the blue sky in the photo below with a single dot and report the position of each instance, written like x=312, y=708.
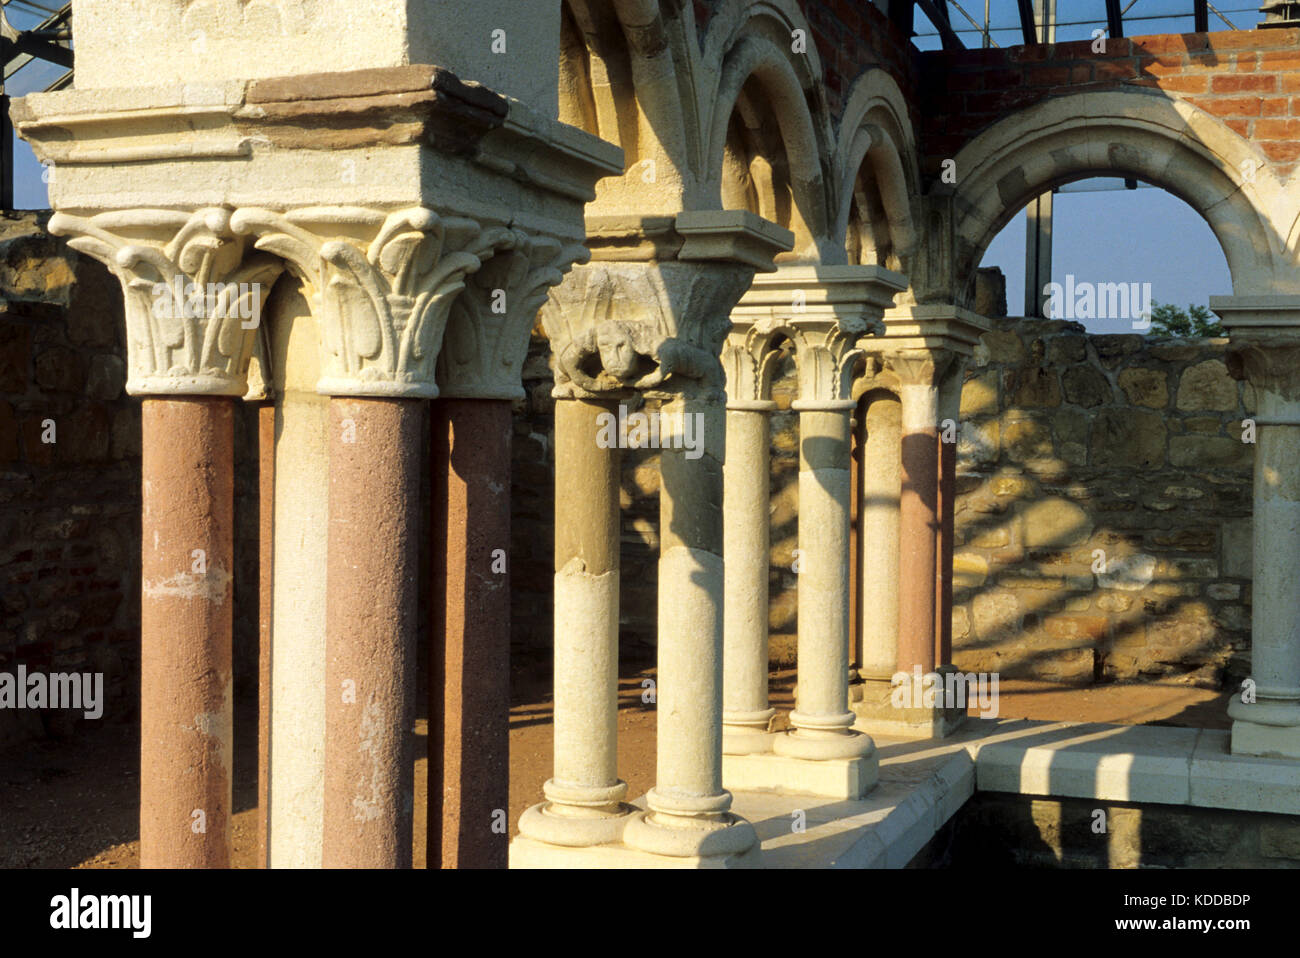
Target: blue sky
x=1143, y=235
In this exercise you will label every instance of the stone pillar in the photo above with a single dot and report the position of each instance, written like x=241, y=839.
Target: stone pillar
x=919, y=373
x=878, y=542
x=469, y=703
x=822, y=720
x=188, y=356
x=688, y=806
x=186, y=701
x=265, y=560
x=950, y=387
x=746, y=520
x=1265, y=350
x=584, y=797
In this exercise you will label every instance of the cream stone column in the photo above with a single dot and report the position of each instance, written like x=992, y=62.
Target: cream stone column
x=189, y=344
x=823, y=310
x=652, y=323
x=1265, y=350
x=746, y=521
x=879, y=542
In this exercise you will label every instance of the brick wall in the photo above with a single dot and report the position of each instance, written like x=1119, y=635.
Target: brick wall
x=1249, y=78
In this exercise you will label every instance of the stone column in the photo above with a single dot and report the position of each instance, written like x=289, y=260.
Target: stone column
x=919, y=372
x=584, y=796
x=879, y=541
x=370, y=631
x=822, y=720
x=469, y=703
x=950, y=387
x=1265, y=350
x=746, y=525
x=186, y=703
x=188, y=356
x=479, y=372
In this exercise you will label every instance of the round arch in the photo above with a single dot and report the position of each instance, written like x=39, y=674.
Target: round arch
x=876, y=140
x=1138, y=133
x=755, y=41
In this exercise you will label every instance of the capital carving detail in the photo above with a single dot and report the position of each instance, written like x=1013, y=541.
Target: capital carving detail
x=193, y=295
x=382, y=287
x=488, y=330
x=1271, y=365
x=653, y=329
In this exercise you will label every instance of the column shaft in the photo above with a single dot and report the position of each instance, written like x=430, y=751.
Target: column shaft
x=370, y=631
x=469, y=699
x=878, y=539
x=918, y=528
x=946, y=492
x=187, y=555
x=746, y=537
x=265, y=560
x=584, y=795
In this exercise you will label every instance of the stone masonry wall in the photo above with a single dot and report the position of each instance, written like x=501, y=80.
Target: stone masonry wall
x=1103, y=511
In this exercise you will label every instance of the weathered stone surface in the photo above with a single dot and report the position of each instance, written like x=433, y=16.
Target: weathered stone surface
x=1085, y=386
x=1034, y=387
x=1209, y=452
x=1004, y=346
x=1064, y=350
x=1145, y=386
x=1127, y=438
x=979, y=395
x=1207, y=385
x=1054, y=522
x=1024, y=439
x=1113, y=347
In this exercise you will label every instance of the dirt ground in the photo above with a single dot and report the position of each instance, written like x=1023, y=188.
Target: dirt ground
x=74, y=803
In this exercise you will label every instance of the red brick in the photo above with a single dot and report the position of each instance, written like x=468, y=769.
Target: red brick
x=1245, y=62
x=1240, y=127
x=1249, y=83
x=965, y=81
x=1290, y=82
x=1295, y=106
x=1161, y=66
x=1185, y=84
x=1229, y=105
x=1275, y=106
x=1029, y=54
x=1114, y=69
x=1285, y=151
x=1277, y=129
x=1280, y=60
x=998, y=79
x=1168, y=43
x=1048, y=76
x=1253, y=39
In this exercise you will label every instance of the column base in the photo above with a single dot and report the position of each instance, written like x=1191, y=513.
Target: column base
x=673, y=836
x=749, y=734
x=843, y=778
x=541, y=824
x=872, y=701
x=1265, y=741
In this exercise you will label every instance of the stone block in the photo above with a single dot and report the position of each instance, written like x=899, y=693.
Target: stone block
x=1128, y=438
x=1209, y=452
x=1221, y=779
x=1144, y=386
x=1207, y=385
x=1054, y=521
x=1085, y=386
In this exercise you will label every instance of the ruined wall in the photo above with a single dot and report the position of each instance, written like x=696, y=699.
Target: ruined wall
x=70, y=509
x=1073, y=443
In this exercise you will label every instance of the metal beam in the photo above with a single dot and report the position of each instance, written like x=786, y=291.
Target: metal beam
x=937, y=11
x=1114, y=19
x=1027, y=25
x=1201, y=10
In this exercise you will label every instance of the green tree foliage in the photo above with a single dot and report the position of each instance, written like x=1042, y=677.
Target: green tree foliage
x=1168, y=320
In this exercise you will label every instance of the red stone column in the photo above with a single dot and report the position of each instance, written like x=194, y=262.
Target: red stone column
x=370, y=631
x=919, y=517
x=265, y=546
x=187, y=521
x=469, y=661
x=947, y=456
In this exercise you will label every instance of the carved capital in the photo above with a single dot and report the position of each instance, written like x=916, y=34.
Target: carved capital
x=649, y=328
x=489, y=326
x=193, y=292
x=1271, y=365
x=919, y=367
x=1264, y=347
x=381, y=285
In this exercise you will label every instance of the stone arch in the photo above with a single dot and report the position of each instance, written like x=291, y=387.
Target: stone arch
x=624, y=77
x=877, y=170
x=1140, y=133
x=764, y=80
